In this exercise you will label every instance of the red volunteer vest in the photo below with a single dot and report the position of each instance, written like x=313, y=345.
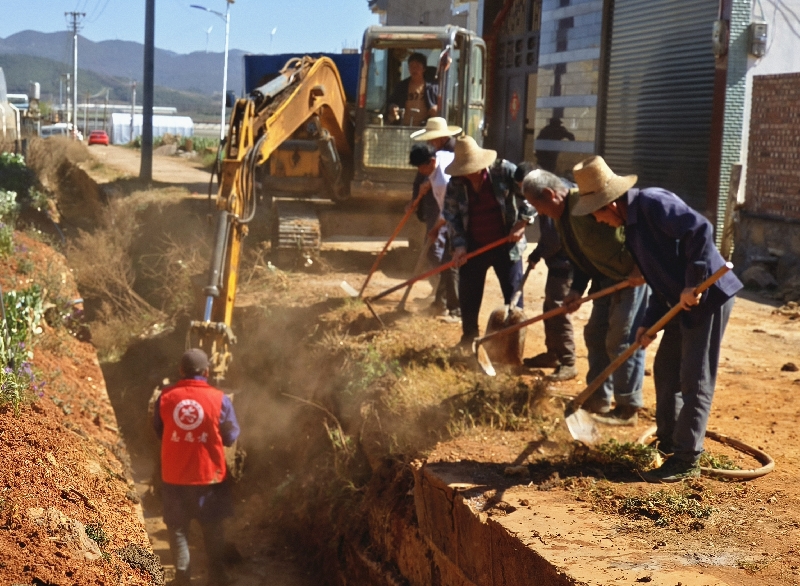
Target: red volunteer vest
x=191, y=447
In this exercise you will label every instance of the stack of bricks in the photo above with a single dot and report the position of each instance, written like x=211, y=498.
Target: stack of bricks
x=773, y=164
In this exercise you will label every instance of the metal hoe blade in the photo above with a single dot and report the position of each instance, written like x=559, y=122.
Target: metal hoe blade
x=583, y=427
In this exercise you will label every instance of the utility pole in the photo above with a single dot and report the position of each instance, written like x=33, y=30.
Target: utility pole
x=146, y=163
x=133, y=107
x=75, y=26
x=86, y=116
x=60, y=96
x=68, y=113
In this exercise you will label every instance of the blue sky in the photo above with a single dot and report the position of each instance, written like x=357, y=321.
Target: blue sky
x=302, y=25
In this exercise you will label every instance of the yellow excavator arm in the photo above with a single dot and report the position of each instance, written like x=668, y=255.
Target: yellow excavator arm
x=305, y=88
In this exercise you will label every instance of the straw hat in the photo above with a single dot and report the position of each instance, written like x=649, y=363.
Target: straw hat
x=598, y=185
x=469, y=157
x=436, y=127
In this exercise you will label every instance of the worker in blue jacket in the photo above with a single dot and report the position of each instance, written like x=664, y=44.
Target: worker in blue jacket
x=673, y=245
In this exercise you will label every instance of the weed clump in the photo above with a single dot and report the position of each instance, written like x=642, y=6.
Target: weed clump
x=718, y=462
x=22, y=313
x=666, y=507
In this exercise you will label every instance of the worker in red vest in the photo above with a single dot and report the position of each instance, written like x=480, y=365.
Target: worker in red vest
x=195, y=421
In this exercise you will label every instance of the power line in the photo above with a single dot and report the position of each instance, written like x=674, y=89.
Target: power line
x=102, y=10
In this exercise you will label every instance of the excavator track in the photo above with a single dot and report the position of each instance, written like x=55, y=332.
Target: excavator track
x=295, y=229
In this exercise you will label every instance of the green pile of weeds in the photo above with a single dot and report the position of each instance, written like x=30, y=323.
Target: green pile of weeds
x=668, y=507
x=718, y=462
x=683, y=506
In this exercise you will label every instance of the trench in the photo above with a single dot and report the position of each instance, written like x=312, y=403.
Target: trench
x=298, y=521
x=327, y=494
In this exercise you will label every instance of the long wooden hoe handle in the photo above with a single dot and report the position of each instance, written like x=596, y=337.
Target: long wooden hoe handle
x=657, y=327
x=440, y=268
x=423, y=258
x=399, y=227
x=554, y=312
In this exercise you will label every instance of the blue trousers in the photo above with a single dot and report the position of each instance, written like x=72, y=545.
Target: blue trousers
x=471, y=281
x=611, y=329
x=685, y=374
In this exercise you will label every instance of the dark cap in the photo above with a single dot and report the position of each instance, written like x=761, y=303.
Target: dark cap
x=193, y=362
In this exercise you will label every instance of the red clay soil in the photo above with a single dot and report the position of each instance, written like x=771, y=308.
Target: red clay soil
x=68, y=511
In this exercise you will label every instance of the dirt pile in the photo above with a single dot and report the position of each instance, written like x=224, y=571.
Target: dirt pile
x=67, y=504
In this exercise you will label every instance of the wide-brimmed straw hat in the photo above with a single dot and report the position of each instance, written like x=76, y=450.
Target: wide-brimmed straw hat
x=598, y=185
x=436, y=127
x=469, y=157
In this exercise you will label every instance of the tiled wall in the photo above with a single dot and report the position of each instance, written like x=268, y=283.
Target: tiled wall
x=735, y=87
x=567, y=82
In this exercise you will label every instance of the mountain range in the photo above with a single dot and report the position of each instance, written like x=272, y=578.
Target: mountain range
x=197, y=73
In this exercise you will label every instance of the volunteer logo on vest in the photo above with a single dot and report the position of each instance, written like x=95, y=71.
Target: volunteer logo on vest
x=188, y=414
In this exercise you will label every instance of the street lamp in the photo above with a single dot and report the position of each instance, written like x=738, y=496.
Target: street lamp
x=227, y=19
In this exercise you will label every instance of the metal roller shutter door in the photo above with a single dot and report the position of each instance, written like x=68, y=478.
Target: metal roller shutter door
x=660, y=94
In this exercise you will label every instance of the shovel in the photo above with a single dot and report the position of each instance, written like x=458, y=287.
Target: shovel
x=345, y=285
x=423, y=257
x=483, y=356
x=431, y=272
x=580, y=423
x=507, y=349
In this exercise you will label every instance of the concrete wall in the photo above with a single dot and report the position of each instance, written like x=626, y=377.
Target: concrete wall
x=422, y=12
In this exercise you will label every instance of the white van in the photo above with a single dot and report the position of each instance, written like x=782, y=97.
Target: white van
x=60, y=129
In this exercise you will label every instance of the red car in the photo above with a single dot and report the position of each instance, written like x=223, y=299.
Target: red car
x=98, y=137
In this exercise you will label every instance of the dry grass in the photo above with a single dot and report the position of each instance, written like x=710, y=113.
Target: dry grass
x=171, y=271
x=45, y=157
x=105, y=275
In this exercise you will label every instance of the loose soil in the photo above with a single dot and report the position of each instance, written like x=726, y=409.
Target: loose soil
x=749, y=538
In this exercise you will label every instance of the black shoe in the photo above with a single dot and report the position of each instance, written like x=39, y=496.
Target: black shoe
x=543, y=360
x=563, y=372
x=620, y=415
x=466, y=341
x=672, y=470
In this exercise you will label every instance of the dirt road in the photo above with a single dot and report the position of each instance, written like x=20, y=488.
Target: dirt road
x=171, y=170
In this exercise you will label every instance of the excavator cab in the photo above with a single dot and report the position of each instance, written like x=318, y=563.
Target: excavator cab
x=387, y=113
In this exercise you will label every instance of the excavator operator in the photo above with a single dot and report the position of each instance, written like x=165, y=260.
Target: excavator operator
x=417, y=97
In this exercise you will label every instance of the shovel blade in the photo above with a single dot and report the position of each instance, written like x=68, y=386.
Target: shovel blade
x=583, y=428
x=483, y=360
x=349, y=289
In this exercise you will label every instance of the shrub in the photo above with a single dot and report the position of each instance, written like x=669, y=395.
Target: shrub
x=14, y=174
x=23, y=312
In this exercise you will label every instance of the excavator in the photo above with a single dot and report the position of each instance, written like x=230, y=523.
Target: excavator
x=325, y=165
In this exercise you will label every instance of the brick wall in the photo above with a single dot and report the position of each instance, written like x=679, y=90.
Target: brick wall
x=773, y=164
